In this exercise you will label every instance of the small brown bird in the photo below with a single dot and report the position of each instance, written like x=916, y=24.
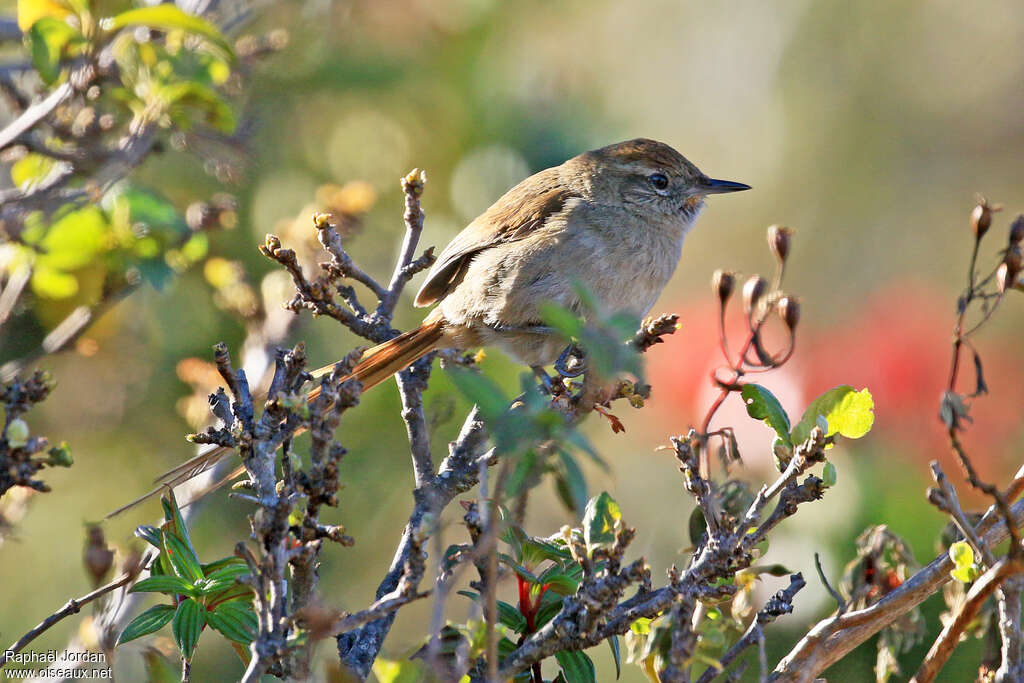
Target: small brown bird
x=612, y=219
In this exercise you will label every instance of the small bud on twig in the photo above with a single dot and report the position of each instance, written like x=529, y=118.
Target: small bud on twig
x=1017, y=230
x=723, y=282
x=1003, y=279
x=981, y=217
x=98, y=558
x=753, y=290
x=779, y=239
x=789, y=310
x=1014, y=260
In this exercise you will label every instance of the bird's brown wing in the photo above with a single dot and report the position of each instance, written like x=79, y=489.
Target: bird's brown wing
x=520, y=211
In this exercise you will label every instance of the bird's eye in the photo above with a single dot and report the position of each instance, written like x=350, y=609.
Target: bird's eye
x=659, y=181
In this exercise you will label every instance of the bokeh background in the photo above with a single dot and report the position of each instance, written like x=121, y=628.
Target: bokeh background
x=868, y=127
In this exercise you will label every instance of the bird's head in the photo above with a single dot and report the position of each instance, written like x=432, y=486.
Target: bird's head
x=651, y=178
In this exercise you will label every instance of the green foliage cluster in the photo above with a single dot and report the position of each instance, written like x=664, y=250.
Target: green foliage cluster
x=201, y=594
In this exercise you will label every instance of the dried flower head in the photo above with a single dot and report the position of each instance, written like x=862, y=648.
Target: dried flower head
x=1017, y=230
x=981, y=217
x=723, y=282
x=780, y=239
x=788, y=308
x=1003, y=279
x=753, y=290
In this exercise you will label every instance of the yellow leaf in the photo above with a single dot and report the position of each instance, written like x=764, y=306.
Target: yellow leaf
x=30, y=11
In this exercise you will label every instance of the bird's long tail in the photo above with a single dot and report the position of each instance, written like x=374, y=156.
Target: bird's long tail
x=377, y=364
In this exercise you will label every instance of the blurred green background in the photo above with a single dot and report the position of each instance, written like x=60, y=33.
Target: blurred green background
x=868, y=127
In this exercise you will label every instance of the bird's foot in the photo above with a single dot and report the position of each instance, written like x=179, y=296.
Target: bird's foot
x=571, y=363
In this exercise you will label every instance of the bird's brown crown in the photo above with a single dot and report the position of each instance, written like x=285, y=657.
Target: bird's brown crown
x=646, y=152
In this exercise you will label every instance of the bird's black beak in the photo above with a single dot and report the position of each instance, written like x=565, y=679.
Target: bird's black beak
x=712, y=186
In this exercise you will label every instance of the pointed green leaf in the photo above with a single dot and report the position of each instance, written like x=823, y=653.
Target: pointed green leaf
x=234, y=623
x=576, y=666
x=151, y=535
x=153, y=619
x=573, y=480
x=511, y=617
x=182, y=559
x=482, y=391
x=172, y=513
x=613, y=643
x=164, y=583
x=562, y=319
x=187, y=624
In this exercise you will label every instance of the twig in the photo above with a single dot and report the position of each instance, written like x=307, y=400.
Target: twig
x=781, y=603
x=949, y=503
x=72, y=606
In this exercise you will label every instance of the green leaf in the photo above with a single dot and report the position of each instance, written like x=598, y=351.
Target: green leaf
x=511, y=617
x=563, y=581
x=234, y=622
x=172, y=513
x=574, y=481
x=829, y=475
x=599, y=520
x=151, y=535
x=576, y=666
x=393, y=671
x=550, y=606
x=47, y=39
x=164, y=583
x=30, y=169
x=153, y=619
x=219, y=114
x=962, y=554
x=183, y=559
x=481, y=390
x=965, y=574
x=188, y=622
x=562, y=319
x=74, y=239
x=613, y=643
x=533, y=551
x=53, y=284
x=762, y=405
x=169, y=18
x=223, y=578
x=848, y=412
x=240, y=593
x=212, y=567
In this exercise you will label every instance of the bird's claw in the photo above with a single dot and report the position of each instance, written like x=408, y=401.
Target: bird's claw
x=574, y=355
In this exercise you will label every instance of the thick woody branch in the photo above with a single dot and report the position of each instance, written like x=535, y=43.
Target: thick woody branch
x=947, y=641
x=833, y=638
